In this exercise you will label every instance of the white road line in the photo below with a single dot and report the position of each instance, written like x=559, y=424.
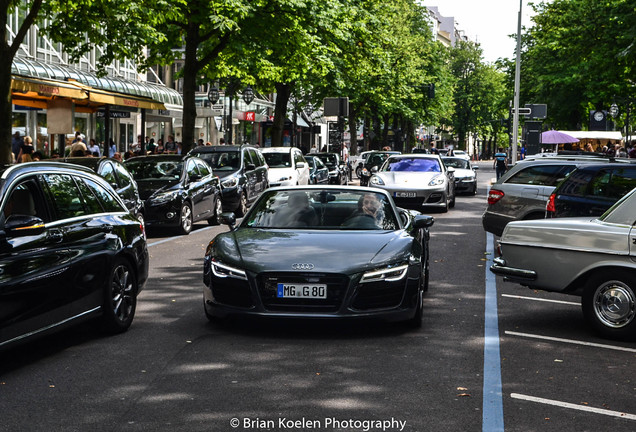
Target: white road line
x=540, y=299
x=570, y=341
x=573, y=406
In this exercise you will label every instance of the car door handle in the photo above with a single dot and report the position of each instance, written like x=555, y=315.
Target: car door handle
x=55, y=236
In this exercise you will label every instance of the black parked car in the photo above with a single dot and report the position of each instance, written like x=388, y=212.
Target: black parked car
x=243, y=173
x=337, y=168
x=374, y=159
x=119, y=178
x=177, y=191
x=69, y=250
x=373, y=259
x=590, y=190
x=318, y=171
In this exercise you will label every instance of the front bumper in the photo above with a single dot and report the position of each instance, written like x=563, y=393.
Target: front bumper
x=430, y=197
x=346, y=297
x=231, y=198
x=465, y=185
x=500, y=268
x=168, y=214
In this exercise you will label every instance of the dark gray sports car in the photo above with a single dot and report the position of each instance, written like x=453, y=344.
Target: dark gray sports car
x=320, y=252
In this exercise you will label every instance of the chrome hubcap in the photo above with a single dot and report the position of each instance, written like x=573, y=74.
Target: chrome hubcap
x=186, y=221
x=122, y=293
x=614, y=304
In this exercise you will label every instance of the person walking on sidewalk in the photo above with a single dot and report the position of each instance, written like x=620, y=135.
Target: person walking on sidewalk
x=501, y=162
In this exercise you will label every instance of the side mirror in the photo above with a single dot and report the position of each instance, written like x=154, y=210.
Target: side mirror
x=475, y=167
x=451, y=169
x=300, y=165
x=228, y=219
x=375, y=169
x=423, y=221
x=23, y=225
x=195, y=177
x=250, y=167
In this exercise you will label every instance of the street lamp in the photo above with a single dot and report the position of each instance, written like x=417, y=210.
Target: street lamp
x=248, y=95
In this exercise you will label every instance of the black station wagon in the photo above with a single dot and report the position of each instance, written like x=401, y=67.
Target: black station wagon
x=69, y=250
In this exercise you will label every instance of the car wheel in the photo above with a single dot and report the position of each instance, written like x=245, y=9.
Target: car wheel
x=475, y=190
x=242, y=208
x=426, y=271
x=358, y=172
x=185, y=219
x=609, y=304
x=452, y=201
x=218, y=209
x=120, y=298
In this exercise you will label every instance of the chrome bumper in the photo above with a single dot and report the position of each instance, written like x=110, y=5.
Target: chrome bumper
x=501, y=269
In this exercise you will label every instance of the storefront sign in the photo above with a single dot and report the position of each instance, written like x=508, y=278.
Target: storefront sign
x=250, y=116
x=114, y=114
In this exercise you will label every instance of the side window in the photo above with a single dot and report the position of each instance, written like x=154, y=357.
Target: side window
x=93, y=205
x=254, y=158
x=247, y=158
x=108, y=172
x=107, y=201
x=66, y=197
x=261, y=158
x=541, y=175
x=125, y=179
x=24, y=199
x=577, y=183
x=623, y=181
x=203, y=168
x=192, y=168
x=600, y=184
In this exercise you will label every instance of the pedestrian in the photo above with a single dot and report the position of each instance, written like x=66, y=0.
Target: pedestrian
x=16, y=144
x=222, y=141
x=93, y=148
x=500, y=163
x=200, y=142
x=78, y=148
x=117, y=156
x=170, y=146
x=25, y=149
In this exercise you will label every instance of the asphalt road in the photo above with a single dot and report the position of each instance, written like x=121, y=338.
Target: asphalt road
x=173, y=370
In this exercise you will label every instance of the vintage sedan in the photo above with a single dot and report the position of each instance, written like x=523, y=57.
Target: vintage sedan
x=69, y=251
x=417, y=181
x=591, y=258
x=320, y=252
x=177, y=191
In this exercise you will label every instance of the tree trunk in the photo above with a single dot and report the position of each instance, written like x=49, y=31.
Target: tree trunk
x=283, y=91
x=190, y=72
x=6, y=108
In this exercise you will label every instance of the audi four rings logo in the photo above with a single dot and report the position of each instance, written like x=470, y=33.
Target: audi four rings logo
x=302, y=266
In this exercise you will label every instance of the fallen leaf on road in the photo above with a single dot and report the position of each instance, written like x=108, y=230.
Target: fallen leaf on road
x=463, y=395
x=462, y=388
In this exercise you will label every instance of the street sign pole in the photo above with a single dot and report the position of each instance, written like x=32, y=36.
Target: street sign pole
x=515, y=115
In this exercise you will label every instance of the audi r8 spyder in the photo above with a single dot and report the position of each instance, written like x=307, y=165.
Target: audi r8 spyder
x=320, y=252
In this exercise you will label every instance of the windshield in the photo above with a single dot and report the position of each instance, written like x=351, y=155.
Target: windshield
x=329, y=159
x=412, y=165
x=322, y=209
x=223, y=160
x=278, y=160
x=376, y=159
x=148, y=169
x=456, y=163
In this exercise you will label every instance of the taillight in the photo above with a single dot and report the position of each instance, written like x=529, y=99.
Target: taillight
x=549, y=207
x=494, y=195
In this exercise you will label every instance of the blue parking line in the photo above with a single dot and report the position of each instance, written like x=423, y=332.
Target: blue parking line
x=493, y=419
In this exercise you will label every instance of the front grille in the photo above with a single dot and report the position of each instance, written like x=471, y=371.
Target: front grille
x=378, y=295
x=336, y=289
x=232, y=292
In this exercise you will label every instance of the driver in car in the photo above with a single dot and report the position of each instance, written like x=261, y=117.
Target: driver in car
x=369, y=214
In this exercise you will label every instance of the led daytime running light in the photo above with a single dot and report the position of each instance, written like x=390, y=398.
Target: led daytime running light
x=386, y=274
x=218, y=268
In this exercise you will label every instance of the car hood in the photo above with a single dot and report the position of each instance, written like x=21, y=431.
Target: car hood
x=407, y=179
x=580, y=233
x=258, y=250
x=148, y=188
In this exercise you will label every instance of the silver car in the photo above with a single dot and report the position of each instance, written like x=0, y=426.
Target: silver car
x=417, y=181
x=465, y=175
x=591, y=258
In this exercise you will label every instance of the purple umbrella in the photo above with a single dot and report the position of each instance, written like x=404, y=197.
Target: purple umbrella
x=556, y=137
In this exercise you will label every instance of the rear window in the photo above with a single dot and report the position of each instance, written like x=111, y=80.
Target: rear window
x=541, y=175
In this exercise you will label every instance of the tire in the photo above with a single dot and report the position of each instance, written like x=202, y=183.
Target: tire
x=475, y=190
x=218, y=209
x=452, y=201
x=242, y=207
x=358, y=172
x=120, y=298
x=185, y=219
x=426, y=270
x=609, y=304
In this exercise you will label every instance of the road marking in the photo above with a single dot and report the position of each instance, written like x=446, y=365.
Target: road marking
x=540, y=299
x=177, y=237
x=492, y=408
x=573, y=406
x=570, y=341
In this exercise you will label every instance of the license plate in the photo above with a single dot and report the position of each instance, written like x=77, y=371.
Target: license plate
x=316, y=291
x=405, y=194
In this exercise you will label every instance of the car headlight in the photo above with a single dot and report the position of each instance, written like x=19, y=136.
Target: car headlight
x=230, y=182
x=365, y=172
x=224, y=271
x=163, y=198
x=375, y=180
x=437, y=181
x=386, y=274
